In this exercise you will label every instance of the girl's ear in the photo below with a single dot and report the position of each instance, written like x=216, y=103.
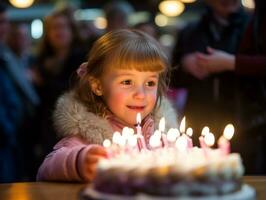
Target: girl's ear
x=96, y=86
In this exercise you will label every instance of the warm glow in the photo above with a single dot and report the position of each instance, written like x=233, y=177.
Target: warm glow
x=189, y=132
x=171, y=8
x=229, y=131
x=132, y=141
x=172, y=134
x=162, y=124
x=106, y=143
x=205, y=131
x=161, y=20
x=183, y=125
x=100, y=23
x=248, y=4
x=116, y=137
x=209, y=139
x=21, y=3
x=181, y=143
x=125, y=133
x=188, y=1
x=155, y=141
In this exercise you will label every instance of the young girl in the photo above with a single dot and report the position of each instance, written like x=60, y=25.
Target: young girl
x=125, y=75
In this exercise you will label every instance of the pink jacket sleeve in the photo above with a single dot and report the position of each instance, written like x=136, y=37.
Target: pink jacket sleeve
x=65, y=162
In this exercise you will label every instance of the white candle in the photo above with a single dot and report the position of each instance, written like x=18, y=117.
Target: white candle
x=204, y=132
x=171, y=136
x=209, y=139
x=181, y=143
x=140, y=139
x=155, y=141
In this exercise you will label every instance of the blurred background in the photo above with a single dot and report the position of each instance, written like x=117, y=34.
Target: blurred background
x=168, y=16
x=42, y=43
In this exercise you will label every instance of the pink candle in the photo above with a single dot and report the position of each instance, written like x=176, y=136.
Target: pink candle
x=189, y=134
x=224, y=146
x=223, y=142
x=202, y=142
x=189, y=142
x=140, y=139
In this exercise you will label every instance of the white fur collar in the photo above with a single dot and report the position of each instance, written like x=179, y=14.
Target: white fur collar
x=71, y=117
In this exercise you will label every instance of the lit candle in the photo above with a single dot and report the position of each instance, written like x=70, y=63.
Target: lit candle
x=155, y=141
x=223, y=142
x=209, y=140
x=171, y=136
x=161, y=129
x=107, y=144
x=183, y=131
x=189, y=134
x=204, y=132
x=181, y=143
x=140, y=139
x=182, y=127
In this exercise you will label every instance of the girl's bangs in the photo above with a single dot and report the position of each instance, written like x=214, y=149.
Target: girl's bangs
x=136, y=58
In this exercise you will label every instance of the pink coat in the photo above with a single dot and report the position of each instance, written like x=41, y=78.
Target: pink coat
x=81, y=130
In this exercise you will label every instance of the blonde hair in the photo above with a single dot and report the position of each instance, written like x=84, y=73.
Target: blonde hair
x=121, y=49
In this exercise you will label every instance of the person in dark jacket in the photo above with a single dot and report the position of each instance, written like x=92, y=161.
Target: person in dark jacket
x=17, y=105
x=211, y=97
x=249, y=63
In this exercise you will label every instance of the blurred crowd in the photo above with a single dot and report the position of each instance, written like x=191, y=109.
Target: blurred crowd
x=31, y=81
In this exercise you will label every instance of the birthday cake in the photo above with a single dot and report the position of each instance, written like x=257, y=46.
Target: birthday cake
x=169, y=167
x=169, y=172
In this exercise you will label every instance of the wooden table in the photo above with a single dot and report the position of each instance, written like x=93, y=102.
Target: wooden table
x=70, y=191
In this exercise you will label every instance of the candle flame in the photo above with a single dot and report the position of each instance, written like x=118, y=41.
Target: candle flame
x=157, y=133
x=181, y=143
x=209, y=139
x=162, y=124
x=131, y=131
x=205, y=131
x=116, y=137
x=125, y=133
x=172, y=134
x=155, y=141
x=138, y=118
x=106, y=143
x=183, y=125
x=229, y=131
x=132, y=140
x=189, y=132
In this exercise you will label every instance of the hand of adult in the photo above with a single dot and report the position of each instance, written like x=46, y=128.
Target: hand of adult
x=216, y=61
x=190, y=65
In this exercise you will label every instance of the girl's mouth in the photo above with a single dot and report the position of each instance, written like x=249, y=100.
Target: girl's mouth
x=137, y=108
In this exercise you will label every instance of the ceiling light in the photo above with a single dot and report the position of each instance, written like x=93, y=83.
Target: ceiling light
x=171, y=8
x=21, y=3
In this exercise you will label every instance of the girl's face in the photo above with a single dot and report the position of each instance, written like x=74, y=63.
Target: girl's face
x=128, y=92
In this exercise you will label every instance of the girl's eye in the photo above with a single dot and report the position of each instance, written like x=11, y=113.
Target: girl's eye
x=126, y=82
x=151, y=83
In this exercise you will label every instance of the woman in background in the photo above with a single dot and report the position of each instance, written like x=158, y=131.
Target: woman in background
x=61, y=52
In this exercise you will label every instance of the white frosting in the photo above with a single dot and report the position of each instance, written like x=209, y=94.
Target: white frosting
x=211, y=161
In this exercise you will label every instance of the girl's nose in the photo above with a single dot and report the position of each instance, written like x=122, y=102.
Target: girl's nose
x=139, y=92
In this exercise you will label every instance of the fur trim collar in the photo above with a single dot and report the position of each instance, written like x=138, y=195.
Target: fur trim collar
x=72, y=118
